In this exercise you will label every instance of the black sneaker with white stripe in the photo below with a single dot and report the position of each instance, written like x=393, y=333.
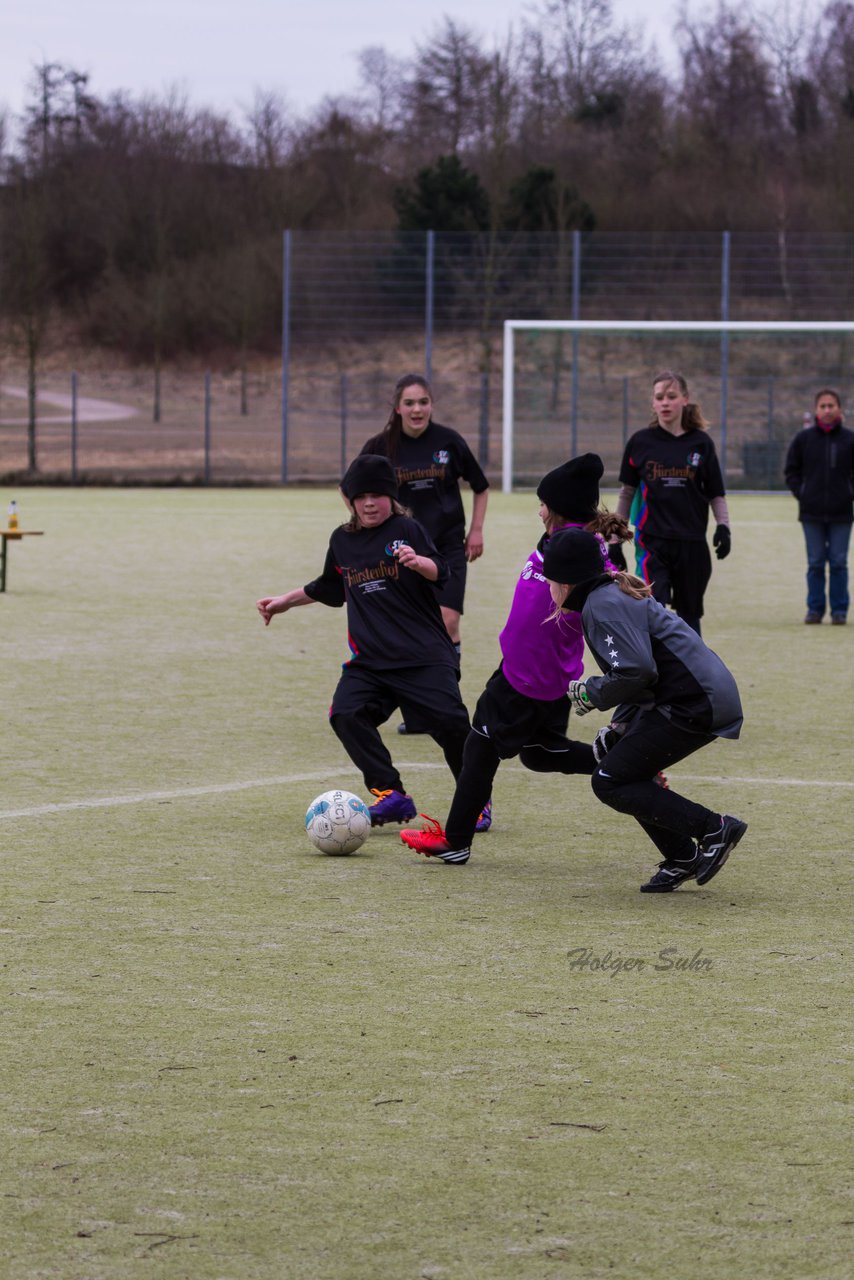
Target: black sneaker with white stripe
x=714, y=848
x=670, y=875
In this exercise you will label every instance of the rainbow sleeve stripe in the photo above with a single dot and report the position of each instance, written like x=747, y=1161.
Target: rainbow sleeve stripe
x=639, y=514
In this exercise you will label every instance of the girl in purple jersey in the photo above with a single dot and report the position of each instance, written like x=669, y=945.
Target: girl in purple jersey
x=524, y=709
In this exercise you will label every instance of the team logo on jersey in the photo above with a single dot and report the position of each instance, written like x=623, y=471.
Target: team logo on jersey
x=694, y=460
x=391, y=547
x=527, y=572
x=442, y=456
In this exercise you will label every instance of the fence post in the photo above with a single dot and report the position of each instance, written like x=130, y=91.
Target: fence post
x=343, y=403
x=576, y=315
x=73, y=428
x=286, y=347
x=483, y=426
x=32, y=415
x=625, y=410
x=429, y=285
x=725, y=283
x=207, y=428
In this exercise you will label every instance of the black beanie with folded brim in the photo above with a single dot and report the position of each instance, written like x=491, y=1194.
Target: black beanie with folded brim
x=573, y=556
x=369, y=473
x=572, y=489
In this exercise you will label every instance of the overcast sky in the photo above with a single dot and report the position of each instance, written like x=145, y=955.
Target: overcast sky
x=220, y=51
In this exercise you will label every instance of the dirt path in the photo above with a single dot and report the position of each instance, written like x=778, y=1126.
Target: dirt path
x=88, y=409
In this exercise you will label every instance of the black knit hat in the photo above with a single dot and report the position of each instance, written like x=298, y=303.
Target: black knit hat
x=573, y=556
x=369, y=473
x=572, y=489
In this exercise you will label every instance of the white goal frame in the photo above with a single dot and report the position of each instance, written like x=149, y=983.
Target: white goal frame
x=580, y=327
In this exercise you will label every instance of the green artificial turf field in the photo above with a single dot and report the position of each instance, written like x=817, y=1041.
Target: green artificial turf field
x=227, y=1056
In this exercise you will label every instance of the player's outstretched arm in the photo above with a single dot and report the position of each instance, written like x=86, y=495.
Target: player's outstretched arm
x=269, y=606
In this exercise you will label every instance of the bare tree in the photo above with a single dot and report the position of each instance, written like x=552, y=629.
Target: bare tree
x=26, y=281
x=381, y=77
x=440, y=100
x=581, y=50
x=270, y=130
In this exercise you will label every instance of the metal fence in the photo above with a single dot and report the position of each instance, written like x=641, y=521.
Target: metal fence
x=359, y=309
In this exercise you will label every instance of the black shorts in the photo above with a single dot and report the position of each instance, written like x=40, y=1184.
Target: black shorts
x=429, y=697
x=454, y=590
x=511, y=720
x=678, y=572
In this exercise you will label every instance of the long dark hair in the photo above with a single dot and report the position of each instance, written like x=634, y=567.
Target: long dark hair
x=394, y=426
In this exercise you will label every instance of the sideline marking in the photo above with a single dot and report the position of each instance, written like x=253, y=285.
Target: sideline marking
x=323, y=775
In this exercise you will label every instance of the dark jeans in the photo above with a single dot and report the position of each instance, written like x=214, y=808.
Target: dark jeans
x=625, y=781
x=827, y=544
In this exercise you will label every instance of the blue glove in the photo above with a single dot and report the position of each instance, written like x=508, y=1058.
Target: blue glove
x=578, y=698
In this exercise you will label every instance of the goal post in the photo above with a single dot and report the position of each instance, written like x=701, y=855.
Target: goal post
x=751, y=372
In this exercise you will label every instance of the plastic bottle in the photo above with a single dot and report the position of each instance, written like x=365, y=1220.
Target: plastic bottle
x=13, y=514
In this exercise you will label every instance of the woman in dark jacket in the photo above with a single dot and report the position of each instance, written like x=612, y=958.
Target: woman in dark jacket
x=820, y=473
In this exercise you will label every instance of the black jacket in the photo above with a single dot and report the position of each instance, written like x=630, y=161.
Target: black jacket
x=820, y=473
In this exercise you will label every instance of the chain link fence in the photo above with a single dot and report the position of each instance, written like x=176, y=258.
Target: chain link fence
x=359, y=309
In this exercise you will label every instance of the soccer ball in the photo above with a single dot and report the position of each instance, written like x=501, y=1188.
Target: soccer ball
x=338, y=822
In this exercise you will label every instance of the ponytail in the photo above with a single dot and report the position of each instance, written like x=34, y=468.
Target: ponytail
x=611, y=527
x=631, y=585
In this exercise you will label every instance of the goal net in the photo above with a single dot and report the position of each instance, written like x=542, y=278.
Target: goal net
x=572, y=386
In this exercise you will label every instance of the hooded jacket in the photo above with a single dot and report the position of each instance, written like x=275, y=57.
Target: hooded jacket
x=651, y=658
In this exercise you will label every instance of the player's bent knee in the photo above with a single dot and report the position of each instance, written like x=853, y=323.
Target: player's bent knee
x=345, y=723
x=606, y=789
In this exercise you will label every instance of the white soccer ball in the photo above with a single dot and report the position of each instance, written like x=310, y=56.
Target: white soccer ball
x=338, y=822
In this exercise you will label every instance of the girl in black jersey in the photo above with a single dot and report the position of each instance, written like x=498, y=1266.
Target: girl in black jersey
x=430, y=461
x=673, y=469
x=385, y=568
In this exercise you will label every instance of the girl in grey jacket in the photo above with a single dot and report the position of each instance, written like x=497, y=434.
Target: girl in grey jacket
x=669, y=695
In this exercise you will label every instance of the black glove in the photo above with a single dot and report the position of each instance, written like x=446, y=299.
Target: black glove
x=617, y=557
x=606, y=739
x=722, y=541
